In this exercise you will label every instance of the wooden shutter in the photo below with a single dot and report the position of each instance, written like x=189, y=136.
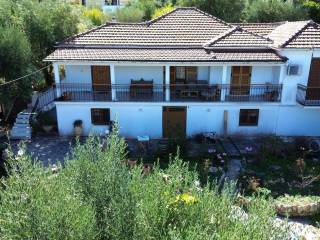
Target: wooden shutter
x=101, y=79
x=240, y=80
x=191, y=74
x=172, y=75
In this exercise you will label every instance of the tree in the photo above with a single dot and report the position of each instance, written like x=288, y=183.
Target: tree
x=313, y=8
x=274, y=11
x=15, y=59
x=161, y=11
x=228, y=10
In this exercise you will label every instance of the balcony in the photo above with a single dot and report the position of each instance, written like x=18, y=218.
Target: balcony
x=308, y=96
x=75, y=92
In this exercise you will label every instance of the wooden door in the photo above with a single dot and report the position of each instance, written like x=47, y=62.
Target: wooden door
x=240, y=80
x=101, y=80
x=313, y=90
x=174, y=122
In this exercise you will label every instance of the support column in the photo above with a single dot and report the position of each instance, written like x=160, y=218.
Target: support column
x=224, y=82
x=113, y=83
x=57, y=79
x=282, y=75
x=167, y=81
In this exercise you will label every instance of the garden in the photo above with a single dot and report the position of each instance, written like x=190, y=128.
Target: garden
x=99, y=194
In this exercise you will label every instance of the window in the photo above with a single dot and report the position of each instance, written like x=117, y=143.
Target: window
x=180, y=73
x=187, y=74
x=249, y=117
x=100, y=116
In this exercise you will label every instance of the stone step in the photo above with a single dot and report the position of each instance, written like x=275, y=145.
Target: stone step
x=21, y=125
x=21, y=130
x=23, y=116
x=22, y=121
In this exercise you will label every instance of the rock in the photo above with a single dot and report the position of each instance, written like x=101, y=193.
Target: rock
x=298, y=209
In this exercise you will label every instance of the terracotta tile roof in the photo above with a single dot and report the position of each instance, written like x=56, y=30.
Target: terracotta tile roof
x=160, y=55
x=238, y=37
x=283, y=33
x=262, y=29
x=187, y=34
x=181, y=27
x=308, y=37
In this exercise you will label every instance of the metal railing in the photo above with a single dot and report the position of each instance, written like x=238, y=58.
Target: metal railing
x=84, y=92
x=308, y=96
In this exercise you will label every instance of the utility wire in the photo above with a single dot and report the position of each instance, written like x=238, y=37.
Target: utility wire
x=28, y=75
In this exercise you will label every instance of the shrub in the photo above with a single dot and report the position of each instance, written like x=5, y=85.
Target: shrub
x=96, y=16
x=96, y=196
x=129, y=14
x=37, y=204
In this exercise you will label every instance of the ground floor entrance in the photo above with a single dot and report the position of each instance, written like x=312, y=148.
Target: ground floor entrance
x=174, y=122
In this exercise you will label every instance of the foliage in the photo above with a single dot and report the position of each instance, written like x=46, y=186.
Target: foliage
x=129, y=14
x=146, y=6
x=313, y=8
x=228, y=10
x=37, y=204
x=96, y=196
x=274, y=10
x=161, y=11
x=96, y=16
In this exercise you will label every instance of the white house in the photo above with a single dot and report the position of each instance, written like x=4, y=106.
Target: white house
x=105, y=5
x=192, y=72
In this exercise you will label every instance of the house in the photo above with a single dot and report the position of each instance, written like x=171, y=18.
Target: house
x=106, y=5
x=189, y=72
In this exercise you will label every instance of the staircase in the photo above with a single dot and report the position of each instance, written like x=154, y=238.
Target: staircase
x=21, y=129
x=44, y=102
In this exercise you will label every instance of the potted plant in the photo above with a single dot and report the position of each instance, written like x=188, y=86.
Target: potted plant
x=77, y=128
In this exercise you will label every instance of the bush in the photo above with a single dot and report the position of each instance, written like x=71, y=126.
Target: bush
x=96, y=16
x=37, y=204
x=129, y=14
x=96, y=196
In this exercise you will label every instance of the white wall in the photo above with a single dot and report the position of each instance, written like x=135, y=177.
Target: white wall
x=298, y=121
x=215, y=76
x=204, y=119
x=134, y=120
x=203, y=73
x=303, y=59
x=146, y=118
x=78, y=74
x=263, y=74
x=124, y=74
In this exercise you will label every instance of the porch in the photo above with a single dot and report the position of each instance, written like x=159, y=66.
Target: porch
x=162, y=93
x=308, y=96
x=157, y=83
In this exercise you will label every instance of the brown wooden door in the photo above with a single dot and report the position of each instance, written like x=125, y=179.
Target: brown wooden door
x=240, y=80
x=313, y=90
x=174, y=122
x=101, y=79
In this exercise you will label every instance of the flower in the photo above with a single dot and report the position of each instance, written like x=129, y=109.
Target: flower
x=211, y=150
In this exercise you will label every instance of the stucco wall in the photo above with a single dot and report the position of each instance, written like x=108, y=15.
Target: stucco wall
x=77, y=74
x=146, y=119
x=134, y=120
x=124, y=74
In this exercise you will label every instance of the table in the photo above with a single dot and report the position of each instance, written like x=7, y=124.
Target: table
x=189, y=93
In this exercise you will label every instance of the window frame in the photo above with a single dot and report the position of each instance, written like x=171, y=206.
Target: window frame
x=105, y=117
x=248, y=123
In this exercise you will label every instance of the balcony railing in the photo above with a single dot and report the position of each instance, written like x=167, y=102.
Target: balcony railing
x=76, y=92
x=308, y=96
